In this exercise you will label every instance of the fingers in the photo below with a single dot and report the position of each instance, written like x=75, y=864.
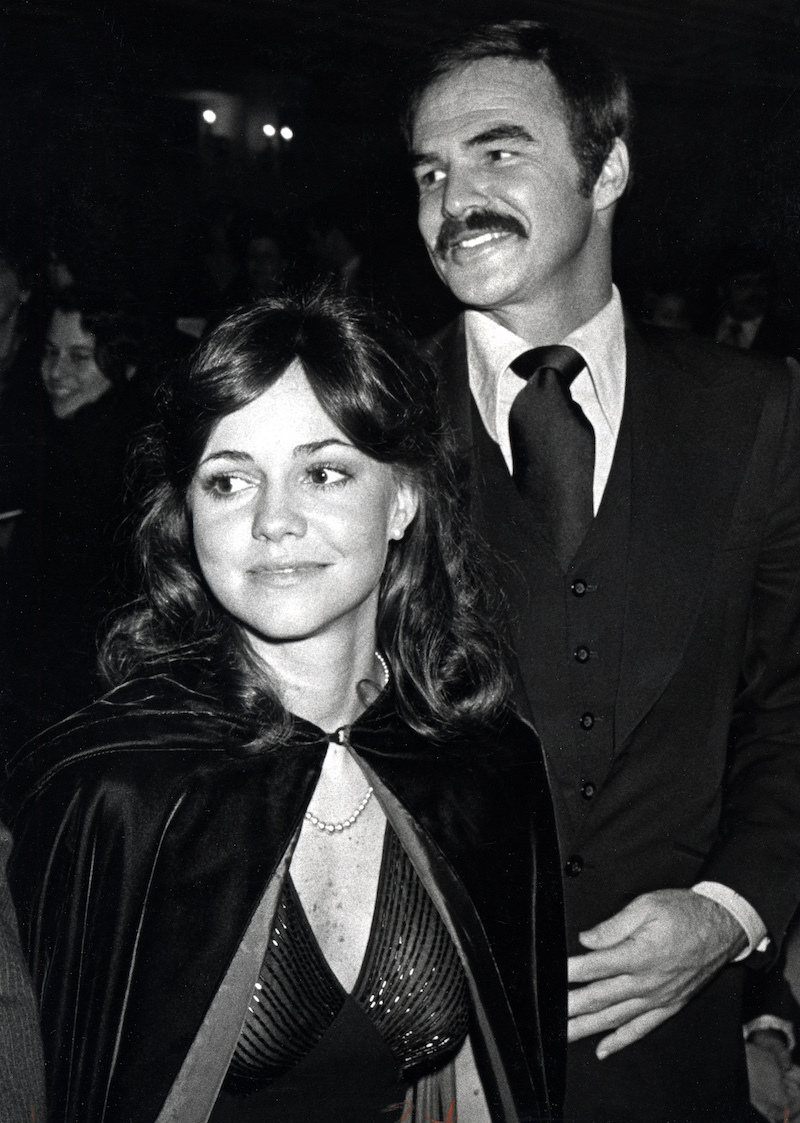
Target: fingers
x=637, y=954
x=617, y=927
x=600, y=1021
x=602, y=964
x=605, y=994
x=634, y=1030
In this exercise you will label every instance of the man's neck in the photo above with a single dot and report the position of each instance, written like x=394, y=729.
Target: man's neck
x=543, y=322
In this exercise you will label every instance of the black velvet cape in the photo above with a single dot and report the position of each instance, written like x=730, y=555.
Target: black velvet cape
x=150, y=846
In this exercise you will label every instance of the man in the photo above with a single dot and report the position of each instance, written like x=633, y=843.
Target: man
x=648, y=540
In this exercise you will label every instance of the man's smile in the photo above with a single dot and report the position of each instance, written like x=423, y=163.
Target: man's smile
x=481, y=239
x=478, y=229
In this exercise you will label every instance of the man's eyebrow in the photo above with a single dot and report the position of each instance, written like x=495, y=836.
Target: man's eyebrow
x=488, y=136
x=501, y=132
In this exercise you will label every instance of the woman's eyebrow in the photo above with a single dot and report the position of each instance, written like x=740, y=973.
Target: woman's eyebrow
x=301, y=450
x=227, y=454
x=315, y=446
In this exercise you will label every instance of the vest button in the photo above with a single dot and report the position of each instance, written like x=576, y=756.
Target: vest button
x=581, y=654
x=587, y=721
x=573, y=865
x=588, y=789
x=579, y=587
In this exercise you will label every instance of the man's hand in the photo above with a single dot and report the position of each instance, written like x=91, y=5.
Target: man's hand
x=645, y=963
x=774, y=1091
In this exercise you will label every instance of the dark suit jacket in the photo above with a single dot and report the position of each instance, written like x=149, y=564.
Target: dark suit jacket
x=21, y=1065
x=704, y=781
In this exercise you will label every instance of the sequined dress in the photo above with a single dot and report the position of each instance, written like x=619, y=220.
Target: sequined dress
x=309, y=1050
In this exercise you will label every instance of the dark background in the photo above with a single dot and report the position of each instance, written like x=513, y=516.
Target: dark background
x=101, y=131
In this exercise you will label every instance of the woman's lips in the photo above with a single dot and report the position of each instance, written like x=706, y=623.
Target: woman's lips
x=288, y=573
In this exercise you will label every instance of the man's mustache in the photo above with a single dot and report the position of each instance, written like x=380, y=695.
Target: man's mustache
x=476, y=222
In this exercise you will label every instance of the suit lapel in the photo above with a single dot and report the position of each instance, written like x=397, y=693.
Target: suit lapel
x=685, y=472
x=449, y=355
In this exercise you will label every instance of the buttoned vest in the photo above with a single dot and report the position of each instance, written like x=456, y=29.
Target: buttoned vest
x=566, y=627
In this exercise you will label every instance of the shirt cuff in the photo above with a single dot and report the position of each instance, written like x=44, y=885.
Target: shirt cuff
x=770, y=1021
x=741, y=910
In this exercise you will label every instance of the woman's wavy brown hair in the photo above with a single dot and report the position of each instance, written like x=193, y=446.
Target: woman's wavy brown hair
x=446, y=660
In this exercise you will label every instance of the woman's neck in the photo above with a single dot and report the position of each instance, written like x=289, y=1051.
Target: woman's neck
x=318, y=678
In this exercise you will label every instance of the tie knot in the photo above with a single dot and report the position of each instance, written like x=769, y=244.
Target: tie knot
x=565, y=361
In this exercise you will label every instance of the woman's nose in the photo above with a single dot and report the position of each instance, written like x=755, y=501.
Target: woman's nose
x=278, y=512
x=56, y=365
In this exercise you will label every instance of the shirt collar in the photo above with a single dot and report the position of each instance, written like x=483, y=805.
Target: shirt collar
x=491, y=348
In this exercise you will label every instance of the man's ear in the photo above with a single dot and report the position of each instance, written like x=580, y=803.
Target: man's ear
x=613, y=177
x=405, y=507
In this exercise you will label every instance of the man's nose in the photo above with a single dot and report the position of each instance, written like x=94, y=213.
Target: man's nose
x=464, y=191
x=278, y=512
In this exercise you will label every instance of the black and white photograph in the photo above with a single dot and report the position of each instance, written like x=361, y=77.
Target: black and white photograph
x=400, y=561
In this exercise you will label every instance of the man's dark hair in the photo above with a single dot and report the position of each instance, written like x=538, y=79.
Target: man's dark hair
x=595, y=95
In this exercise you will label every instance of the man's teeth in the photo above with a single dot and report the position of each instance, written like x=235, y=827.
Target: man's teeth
x=480, y=239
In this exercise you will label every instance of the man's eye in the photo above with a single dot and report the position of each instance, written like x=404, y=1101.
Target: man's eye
x=497, y=155
x=430, y=178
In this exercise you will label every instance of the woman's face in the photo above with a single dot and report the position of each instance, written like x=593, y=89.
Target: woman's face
x=291, y=522
x=70, y=372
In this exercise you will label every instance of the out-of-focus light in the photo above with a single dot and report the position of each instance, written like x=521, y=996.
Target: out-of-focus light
x=209, y=116
x=286, y=133
x=269, y=130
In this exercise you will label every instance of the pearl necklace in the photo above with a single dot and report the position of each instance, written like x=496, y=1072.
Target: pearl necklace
x=339, y=825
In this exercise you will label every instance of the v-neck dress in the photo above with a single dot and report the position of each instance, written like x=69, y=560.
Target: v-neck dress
x=309, y=1050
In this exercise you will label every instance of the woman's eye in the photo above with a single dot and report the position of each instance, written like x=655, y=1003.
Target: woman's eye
x=325, y=475
x=223, y=485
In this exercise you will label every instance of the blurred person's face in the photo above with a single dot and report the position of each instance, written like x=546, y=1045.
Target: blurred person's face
x=746, y=295
x=265, y=265
x=291, y=522
x=500, y=206
x=70, y=372
x=59, y=275
x=670, y=310
x=11, y=292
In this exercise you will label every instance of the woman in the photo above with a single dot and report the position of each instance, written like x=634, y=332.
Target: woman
x=70, y=481
x=286, y=869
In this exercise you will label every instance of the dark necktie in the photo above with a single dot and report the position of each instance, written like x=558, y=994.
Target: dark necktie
x=552, y=444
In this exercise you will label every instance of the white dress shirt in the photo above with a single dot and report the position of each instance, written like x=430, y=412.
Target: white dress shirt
x=599, y=390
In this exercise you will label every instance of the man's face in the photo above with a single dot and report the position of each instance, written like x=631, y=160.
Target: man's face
x=500, y=209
